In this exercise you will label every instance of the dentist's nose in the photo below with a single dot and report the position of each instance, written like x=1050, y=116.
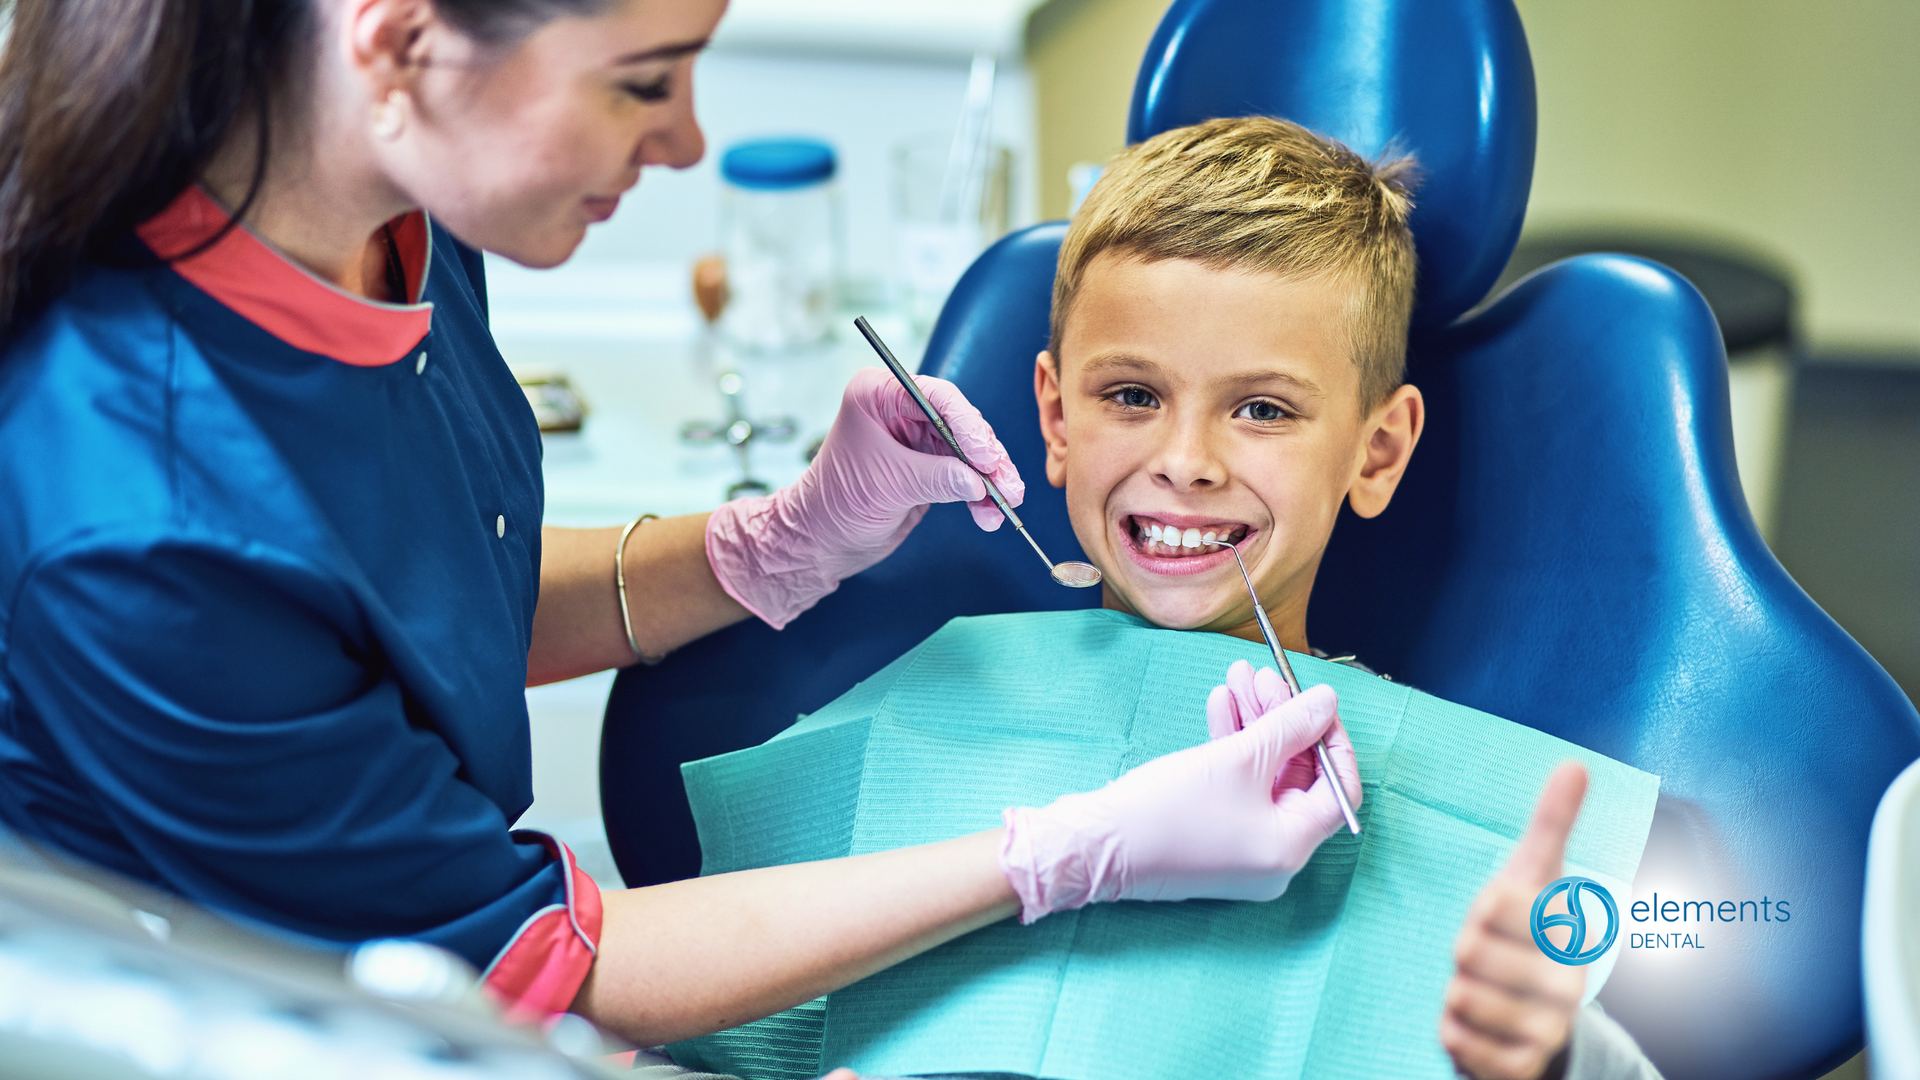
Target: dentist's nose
x=675, y=139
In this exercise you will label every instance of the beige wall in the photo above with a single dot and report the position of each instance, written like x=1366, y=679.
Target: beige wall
x=1793, y=125
x=1083, y=55
x=1796, y=125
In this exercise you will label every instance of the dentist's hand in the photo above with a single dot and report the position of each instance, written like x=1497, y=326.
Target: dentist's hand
x=1209, y=821
x=880, y=467
x=1246, y=696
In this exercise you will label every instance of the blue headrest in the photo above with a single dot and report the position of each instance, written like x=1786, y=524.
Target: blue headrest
x=993, y=327
x=1448, y=80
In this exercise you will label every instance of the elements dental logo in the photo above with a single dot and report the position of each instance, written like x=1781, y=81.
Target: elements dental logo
x=1575, y=952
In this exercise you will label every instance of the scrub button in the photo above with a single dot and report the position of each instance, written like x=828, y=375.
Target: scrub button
x=420, y=366
x=500, y=526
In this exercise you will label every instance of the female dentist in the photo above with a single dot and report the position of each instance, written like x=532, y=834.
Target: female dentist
x=272, y=570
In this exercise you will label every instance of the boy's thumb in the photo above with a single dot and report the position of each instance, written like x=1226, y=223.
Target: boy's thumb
x=1541, y=854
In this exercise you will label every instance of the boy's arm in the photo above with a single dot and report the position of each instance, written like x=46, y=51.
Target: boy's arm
x=1602, y=1050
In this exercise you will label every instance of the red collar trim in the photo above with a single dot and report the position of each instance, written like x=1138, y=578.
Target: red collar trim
x=272, y=292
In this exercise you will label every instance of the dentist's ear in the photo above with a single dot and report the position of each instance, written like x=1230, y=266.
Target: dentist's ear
x=1053, y=417
x=387, y=42
x=1388, y=437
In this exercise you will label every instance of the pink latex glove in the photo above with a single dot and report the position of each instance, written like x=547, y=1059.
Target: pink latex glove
x=1208, y=821
x=880, y=467
x=1246, y=696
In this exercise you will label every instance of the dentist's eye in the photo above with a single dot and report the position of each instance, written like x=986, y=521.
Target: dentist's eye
x=1262, y=412
x=1134, y=397
x=652, y=92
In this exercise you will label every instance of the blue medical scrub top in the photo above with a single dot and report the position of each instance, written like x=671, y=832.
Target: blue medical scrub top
x=269, y=554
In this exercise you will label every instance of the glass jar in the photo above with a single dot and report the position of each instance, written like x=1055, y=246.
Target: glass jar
x=781, y=233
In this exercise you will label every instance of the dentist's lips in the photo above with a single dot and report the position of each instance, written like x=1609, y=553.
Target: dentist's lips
x=1161, y=543
x=601, y=207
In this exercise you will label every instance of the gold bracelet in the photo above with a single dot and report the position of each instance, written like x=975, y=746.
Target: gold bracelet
x=620, y=586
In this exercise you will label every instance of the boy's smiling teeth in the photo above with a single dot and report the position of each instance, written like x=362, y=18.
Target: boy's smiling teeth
x=1172, y=542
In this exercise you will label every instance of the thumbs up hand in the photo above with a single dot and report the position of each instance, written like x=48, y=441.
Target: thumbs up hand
x=1509, y=1008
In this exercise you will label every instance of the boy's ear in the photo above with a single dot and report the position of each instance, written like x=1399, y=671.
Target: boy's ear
x=1388, y=439
x=1053, y=417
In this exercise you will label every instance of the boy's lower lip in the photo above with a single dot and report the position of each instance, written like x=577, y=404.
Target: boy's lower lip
x=601, y=207
x=1184, y=566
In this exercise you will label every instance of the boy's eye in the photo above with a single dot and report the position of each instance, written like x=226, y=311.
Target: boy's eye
x=1134, y=397
x=1264, y=412
x=651, y=92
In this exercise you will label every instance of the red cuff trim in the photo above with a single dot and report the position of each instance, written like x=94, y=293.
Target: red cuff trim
x=539, y=972
x=269, y=290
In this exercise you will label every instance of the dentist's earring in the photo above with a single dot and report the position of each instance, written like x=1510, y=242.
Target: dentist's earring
x=387, y=117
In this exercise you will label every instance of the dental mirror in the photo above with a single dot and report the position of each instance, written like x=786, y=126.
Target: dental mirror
x=1073, y=573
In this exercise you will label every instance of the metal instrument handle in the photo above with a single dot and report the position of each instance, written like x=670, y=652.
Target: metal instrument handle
x=940, y=423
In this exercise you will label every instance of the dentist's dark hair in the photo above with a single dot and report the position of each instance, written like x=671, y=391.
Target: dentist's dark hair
x=110, y=108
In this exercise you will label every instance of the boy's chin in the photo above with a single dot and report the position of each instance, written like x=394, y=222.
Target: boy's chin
x=1169, y=612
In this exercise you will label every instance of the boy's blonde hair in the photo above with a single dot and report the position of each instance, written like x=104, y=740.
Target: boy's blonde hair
x=1260, y=194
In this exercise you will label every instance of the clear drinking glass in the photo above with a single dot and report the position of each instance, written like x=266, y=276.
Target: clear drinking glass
x=938, y=232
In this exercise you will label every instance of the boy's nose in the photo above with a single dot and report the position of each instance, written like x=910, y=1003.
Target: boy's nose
x=1184, y=460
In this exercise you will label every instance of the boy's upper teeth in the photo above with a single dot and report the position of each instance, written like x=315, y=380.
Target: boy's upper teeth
x=1173, y=536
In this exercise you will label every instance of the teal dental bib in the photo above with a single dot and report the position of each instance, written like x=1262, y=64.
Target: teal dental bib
x=1340, y=977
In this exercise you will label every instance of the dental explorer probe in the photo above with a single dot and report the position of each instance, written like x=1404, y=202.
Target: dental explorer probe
x=1073, y=573
x=1293, y=684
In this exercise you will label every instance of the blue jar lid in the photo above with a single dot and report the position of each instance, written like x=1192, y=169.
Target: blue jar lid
x=775, y=164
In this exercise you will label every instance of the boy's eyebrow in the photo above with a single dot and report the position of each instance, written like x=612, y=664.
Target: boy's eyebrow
x=1252, y=378
x=1118, y=361
x=1101, y=365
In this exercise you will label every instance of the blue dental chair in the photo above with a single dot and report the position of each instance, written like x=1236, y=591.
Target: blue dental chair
x=1570, y=547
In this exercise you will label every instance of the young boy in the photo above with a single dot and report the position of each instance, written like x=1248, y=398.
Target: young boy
x=1228, y=363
